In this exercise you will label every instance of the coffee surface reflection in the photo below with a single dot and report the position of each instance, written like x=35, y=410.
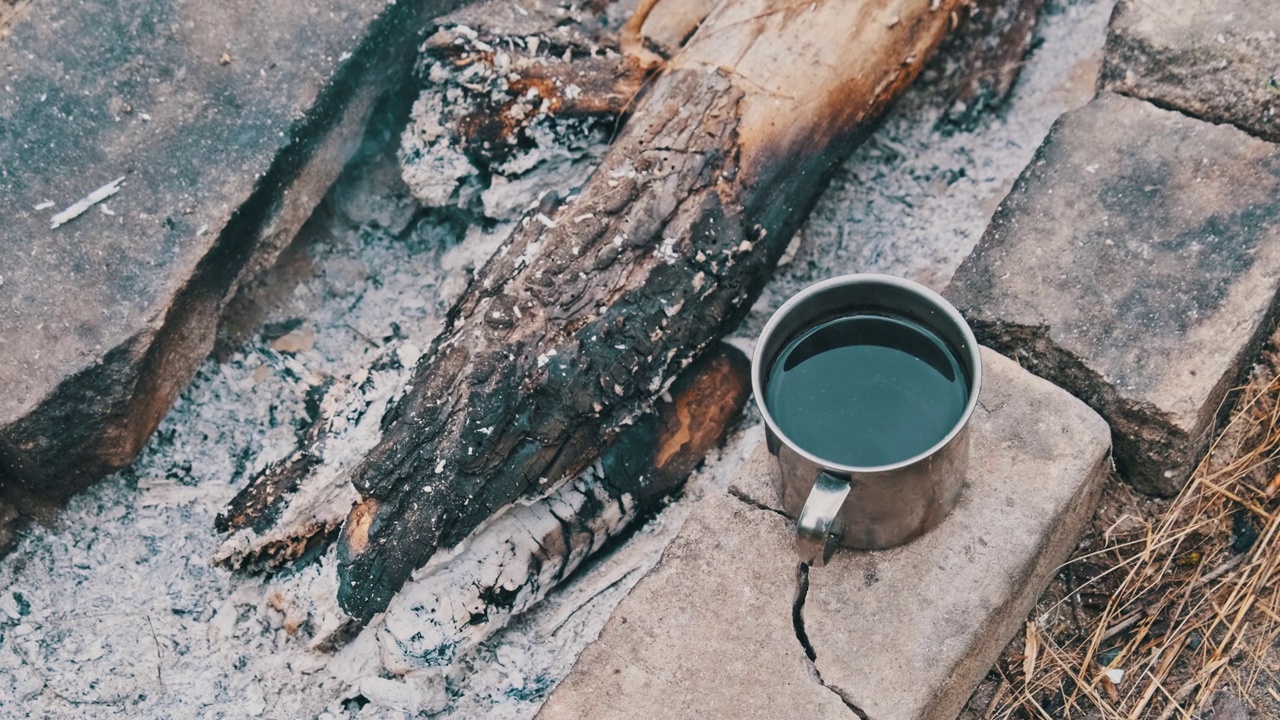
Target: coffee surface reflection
x=866, y=390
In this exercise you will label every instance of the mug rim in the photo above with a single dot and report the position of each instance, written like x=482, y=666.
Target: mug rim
x=770, y=328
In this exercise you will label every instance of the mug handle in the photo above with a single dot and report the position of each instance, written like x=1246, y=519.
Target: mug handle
x=818, y=529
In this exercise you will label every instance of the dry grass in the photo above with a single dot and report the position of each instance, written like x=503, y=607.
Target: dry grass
x=1175, y=604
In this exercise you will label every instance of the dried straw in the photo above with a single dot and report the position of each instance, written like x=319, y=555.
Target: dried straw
x=1189, y=602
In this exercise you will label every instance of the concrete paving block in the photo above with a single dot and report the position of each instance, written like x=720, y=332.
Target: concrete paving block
x=708, y=633
x=729, y=624
x=226, y=122
x=1136, y=263
x=1217, y=60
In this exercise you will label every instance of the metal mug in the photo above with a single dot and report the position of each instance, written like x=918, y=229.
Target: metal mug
x=879, y=506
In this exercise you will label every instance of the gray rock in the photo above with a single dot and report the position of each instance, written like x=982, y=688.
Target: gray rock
x=728, y=625
x=1218, y=60
x=708, y=633
x=1136, y=263
x=1228, y=706
x=227, y=123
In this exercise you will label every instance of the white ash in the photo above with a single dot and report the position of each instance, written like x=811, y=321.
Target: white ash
x=350, y=420
x=494, y=175
x=116, y=611
x=439, y=616
x=433, y=166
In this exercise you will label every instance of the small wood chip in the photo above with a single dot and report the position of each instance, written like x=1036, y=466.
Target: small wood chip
x=300, y=340
x=89, y=201
x=1029, y=654
x=1273, y=487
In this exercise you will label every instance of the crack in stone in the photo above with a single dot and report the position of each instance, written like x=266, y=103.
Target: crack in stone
x=797, y=621
x=797, y=610
x=736, y=493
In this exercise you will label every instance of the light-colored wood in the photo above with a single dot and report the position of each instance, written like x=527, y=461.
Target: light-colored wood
x=813, y=71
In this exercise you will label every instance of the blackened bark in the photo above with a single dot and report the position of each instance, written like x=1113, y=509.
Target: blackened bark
x=593, y=306
x=563, y=337
x=583, y=316
x=988, y=51
x=517, y=559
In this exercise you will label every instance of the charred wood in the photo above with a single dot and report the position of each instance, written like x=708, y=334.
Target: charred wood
x=987, y=52
x=531, y=548
x=593, y=306
x=510, y=563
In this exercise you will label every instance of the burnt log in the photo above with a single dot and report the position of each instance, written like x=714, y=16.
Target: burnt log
x=582, y=317
x=516, y=558
x=589, y=310
x=482, y=97
x=986, y=53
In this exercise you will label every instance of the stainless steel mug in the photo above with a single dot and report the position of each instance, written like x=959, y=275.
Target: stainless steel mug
x=866, y=507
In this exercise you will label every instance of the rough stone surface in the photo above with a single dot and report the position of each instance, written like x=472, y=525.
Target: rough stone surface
x=1218, y=60
x=1135, y=263
x=227, y=121
x=707, y=634
x=726, y=625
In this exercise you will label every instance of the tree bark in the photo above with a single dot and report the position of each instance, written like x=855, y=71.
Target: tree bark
x=589, y=310
x=517, y=557
x=530, y=549
x=988, y=50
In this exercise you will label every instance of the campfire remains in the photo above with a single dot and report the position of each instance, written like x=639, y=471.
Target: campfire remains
x=596, y=301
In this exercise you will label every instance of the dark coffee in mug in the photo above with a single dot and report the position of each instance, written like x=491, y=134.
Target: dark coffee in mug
x=866, y=390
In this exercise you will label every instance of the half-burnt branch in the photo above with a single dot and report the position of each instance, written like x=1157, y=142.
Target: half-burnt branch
x=515, y=561
x=296, y=504
x=591, y=308
x=584, y=315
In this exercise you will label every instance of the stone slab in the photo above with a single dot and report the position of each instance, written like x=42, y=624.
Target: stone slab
x=708, y=633
x=730, y=625
x=1217, y=60
x=1136, y=263
x=228, y=121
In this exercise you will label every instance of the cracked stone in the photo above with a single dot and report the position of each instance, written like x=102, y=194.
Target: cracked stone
x=1217, y=60
x=932, y=616
x=706, y=634
x=221, y=163
x=802, y=635
x=725, y=624
x=1136, y=263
